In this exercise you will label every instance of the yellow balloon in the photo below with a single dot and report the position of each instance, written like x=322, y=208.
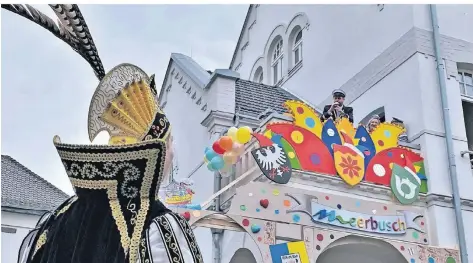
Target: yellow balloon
x=244, y=134
x=205, y=159
x=232, y=132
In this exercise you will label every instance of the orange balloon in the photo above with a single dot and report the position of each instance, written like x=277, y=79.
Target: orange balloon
x=226, y=143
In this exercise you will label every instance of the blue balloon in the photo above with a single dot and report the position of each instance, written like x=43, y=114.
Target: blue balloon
x=210, y=167
x=206, y=149
x=217, y=162
x=210, y=154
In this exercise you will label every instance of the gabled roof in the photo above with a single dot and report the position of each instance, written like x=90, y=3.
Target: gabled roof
x=241, y=35
x=23, y=189
x=253, y=99
x=198, y=74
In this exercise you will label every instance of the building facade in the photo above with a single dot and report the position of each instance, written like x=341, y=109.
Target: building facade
x=25, y=198
x=383, y=57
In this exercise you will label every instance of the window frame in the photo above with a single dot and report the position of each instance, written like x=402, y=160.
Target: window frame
x=463, y=85
x=277, y=57
x=297, y=47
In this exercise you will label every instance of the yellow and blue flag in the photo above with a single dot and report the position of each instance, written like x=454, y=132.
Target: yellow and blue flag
x=291, y=252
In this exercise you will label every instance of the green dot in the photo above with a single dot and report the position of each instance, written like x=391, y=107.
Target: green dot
x=263, y=191
x=415, y=235
x=243, y=207
x=450, y=260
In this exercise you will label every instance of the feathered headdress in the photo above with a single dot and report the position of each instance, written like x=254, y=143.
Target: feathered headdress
x=124, y=102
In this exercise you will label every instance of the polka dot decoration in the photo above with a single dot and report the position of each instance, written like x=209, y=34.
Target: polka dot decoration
x=402, y=248
x=276, y=192
x=263, y=191
x=358, y=204
x=310, y=122
x=379, y=170
x=259, y=239
x=450, y=260
x=380, y=143
x=287, y=203
x=385, y=208
x=413, y=260
x=330, y=132
x=296, y=218
x=331, y=236
x=291, y=155
x=297, y=137
x=320, y=237
x=431, y=260
x=300, y=110
x=415, y=235
x=276, y=212
x=250, y=194
x=387, y=133
x=257, y=209
x=315, y=159
x=317, y=247
x=339, y=206
x=245, y=222
x=327, y=197
x=243, y=207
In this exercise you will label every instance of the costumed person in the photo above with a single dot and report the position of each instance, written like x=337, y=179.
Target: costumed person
x=337, y=109
x=403, y=136
x=373, y=123
x=115, y=216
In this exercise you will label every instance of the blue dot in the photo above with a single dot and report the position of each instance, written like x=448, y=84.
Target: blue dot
x=309, y=122
x=358, y=203
x=276, y=212
x=257, y=210
x=296, y=218
x=413, y=260
x=315, y=159
x=431, y=260
x=390, y=154
x=339, y=206
x=387, y=133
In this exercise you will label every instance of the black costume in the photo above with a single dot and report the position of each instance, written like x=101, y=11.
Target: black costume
x=116, y=216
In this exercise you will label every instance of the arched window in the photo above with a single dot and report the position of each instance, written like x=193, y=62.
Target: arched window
x=465, y=79
x=297, y=48
x=276, y=62
x=258, y=76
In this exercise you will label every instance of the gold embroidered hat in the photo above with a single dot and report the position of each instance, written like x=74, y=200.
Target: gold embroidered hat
x=124, y=104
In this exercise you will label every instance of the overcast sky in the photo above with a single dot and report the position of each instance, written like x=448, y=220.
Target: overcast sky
x=47, y=87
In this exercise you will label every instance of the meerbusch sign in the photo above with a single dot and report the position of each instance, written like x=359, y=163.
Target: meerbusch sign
x=392, y=224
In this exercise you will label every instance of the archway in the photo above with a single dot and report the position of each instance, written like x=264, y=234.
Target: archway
x=355, y=249
x=243, y=255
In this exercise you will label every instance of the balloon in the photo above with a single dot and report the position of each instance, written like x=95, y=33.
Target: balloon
x=210, y=154
x=229, y=157
x=238, y=149
x=205, y=159
x=244, y=134
x=226, y=170
x=206, y=149
x=210, y=167
x=226, y=143
x=232, y=132
x=217, y=148
x=217, y=162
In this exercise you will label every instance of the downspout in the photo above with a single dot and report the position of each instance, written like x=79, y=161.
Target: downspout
x=448, y=136
x=217, y=233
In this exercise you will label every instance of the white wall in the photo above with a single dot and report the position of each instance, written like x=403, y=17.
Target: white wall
x=11, y=243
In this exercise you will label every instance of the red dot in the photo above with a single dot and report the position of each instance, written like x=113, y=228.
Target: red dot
x=300, y=110
x=402, y=248
x=421, y=223
x=320, y=237
x=327, y=198
x=385, y=207
x=245, y=222
x=259, y=239
x=380, y=143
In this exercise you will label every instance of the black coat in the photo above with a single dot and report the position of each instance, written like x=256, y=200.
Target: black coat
x=348, y=112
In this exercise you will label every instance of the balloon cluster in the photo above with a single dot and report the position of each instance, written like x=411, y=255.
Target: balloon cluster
x=227, y=149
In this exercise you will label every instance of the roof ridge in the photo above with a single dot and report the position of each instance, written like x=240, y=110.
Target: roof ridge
x=53, y=187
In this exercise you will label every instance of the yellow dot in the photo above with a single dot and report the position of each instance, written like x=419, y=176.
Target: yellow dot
x=391, y=165
x=297, y=137
x=196, y=213
x=291, y=155
x=276, y=192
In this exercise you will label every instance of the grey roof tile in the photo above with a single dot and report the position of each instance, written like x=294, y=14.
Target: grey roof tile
x=23, y=189
x=253, y=99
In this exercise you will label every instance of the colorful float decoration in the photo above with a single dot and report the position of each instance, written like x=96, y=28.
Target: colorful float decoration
x=177, y=194
x=290, y=252
x=226, y=151
x=337, y=148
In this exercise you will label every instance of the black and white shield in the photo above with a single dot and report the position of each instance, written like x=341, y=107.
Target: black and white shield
x=274, y=163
